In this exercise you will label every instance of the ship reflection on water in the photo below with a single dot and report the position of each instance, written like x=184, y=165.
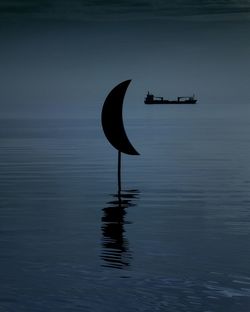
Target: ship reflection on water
x=115, y=246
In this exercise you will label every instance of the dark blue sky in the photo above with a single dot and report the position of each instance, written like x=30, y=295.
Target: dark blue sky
x=123, y=9
x=60, y=58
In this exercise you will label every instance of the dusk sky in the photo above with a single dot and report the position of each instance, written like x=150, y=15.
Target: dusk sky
x=60, y=58
x=103, y=10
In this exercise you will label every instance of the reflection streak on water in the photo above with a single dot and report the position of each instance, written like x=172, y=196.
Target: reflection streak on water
x=116, y=252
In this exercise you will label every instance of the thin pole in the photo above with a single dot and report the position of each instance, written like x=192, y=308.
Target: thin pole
x=119, y=172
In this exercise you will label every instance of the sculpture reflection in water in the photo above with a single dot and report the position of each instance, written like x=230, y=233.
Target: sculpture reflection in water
x=115, y=246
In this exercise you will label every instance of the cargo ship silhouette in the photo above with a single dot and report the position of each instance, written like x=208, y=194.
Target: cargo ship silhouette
x=151, y=99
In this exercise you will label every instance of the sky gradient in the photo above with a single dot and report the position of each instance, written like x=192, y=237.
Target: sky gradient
x=125, y=9
x=61, y=58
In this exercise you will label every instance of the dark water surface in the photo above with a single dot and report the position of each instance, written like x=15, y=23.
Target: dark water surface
x=177, y=239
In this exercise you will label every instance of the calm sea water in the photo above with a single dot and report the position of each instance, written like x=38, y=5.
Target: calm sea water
x=177, y=239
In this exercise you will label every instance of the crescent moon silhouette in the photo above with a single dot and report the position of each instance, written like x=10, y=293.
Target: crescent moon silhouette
x=112, y=120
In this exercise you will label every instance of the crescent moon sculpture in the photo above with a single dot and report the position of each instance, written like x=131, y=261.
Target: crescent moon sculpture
x=112, y=124
x=112, y=120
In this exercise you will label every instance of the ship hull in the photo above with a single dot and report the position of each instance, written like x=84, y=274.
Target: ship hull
x=169, y=102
